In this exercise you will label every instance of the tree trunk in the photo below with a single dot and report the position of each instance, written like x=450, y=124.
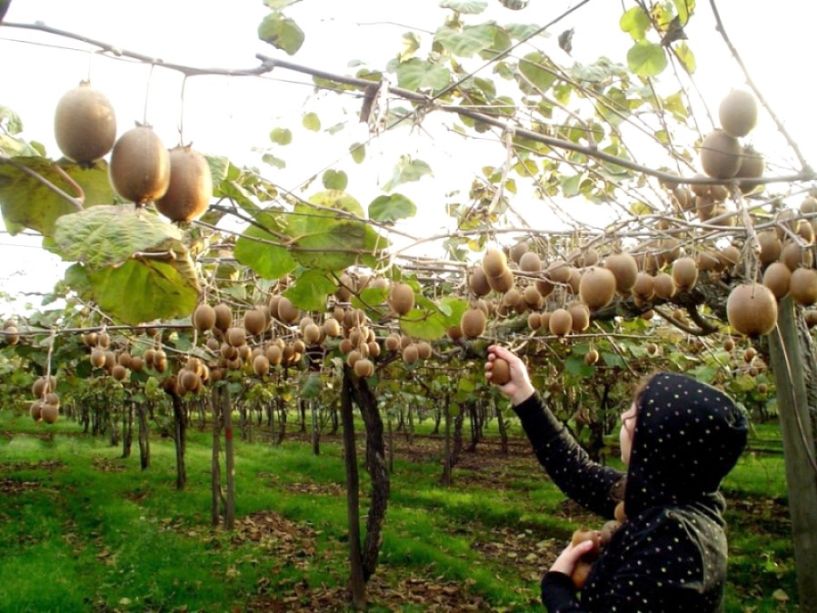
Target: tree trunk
x=410, y=429
x=127, y=429
x=378, y=472
x=335, y=423
x=357, y=584
x=179, y=438
x=215, y=463
x=390, y=434
x=316, y=435
x=446, y=478
x=144, y=436
x=457, y=446
x=475, y=428
x=503, y=429
x=793, y=364
x=229, y=458
x=302, y=411
x=271, y=421
x=282, y=420
x=437, y=417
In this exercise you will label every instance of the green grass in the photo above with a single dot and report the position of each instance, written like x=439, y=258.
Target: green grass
x=76, y=537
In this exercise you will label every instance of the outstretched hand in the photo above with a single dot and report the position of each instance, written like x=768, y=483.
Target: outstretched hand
x=519, y=387
x=569, y=558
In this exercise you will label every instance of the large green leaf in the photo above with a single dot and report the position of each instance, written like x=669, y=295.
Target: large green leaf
x=468, y=41
x=635, y=22
x=145, y=290
x=646, y=59
x=685, y=8
x=107, y=235
x=281, y=32
x=358, y=151
x=416, y=74
x=686, y=56
x=466, y=7
x=334, y=199
x=268, y=261
x=426, y=324
x=335, y=179
x=406, y=171
x=534, y=67
x=391, y=208
x=311, y=290
x=27, y=203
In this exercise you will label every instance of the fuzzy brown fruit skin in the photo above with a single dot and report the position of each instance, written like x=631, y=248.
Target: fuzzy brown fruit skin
x=84, y=124
x=597, y=287
x=560, y=322
x=140, y=166
x=500, y=372
x=752, y=309
x=224, y=317
x=738, y=113
x=401, y=298
x=287, y=312
x=720, y=155
x=255, y=322
x=411, y=354
x=364, y=368
x=494, y=263
x=204, y=318
x=191, y=186
x=803, y=286
x=684, y=273
x=624, y=268
x=473, y=323
x=777, y=278
x=478, y=282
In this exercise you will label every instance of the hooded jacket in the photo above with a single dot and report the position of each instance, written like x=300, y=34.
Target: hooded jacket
x=670, y=554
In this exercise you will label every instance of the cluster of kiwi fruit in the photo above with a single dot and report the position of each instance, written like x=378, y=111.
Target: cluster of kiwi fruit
x=119, y=365
x=141, y=169
x=787, y=271
x=46, y=404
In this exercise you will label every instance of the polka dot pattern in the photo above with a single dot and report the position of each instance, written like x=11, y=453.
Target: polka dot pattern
x=671, y=553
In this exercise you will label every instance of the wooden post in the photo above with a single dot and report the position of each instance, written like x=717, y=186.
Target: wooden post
x=790, y=367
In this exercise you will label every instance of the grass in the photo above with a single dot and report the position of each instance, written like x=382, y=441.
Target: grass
x=91, y=530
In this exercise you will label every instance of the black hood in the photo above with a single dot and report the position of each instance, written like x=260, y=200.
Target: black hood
x=688, y=436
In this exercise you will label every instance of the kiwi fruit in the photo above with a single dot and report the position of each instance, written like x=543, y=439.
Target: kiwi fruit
x=260, y=365
x=312, y=334
x=738, y=113
x=591, y=357
x=411, y=354
x=204, y=318
x=651, y=348
x=119, y=372
x=597, y=287
x=752, y=165
x=624, y=269
x=42, y=386
x=752, y=309
x=503, y=282
x=684, y=198
x=478, y=282
x=512, y=298
x=644, y=287
x=331, y=327
x=500, y=372
x=544, y=287
x=137, y=364
x=84, y=124
x=795, y=256
x=287, y=312
x=770, y=246
x=518, y=250
x=749, y=354
x=401, y=298
x=534, y=321
x=684, y=273
x=49, y=413
x=473, y=323
x=103, y=340
x=124, y=359
x=35, y=410
x=455, y=333
x=494, y=263
x=720, y=155
x=777, y=278
x=191, y=186
x=805, y=230
x=811, y=318
x=663, y=286
x=255, y=322
x=558, y=271
x=532, y=297
x=364, y=368
x=424, y=350
x=560, y=322
x=98, y=358
x=224, y=317
x=580, y=316
x=140, y=166
x=274, y=354
x=729, y=256
x=530, y=262
x=803, y=286
x=236, y=337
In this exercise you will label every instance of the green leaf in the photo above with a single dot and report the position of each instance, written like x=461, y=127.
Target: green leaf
x=686, y=56
x=76, y=277
x=685, y=8
x=571, y=185
x=455, y=307
x=466, y=7
x=281, y=32
x=107, y=235
x=311, y=290
x=575, y=365
x=417, y=74
x=424, y=324
x=145, y=290
x=411, y=42
x=358, y=151
x=335, y=179
x=646, y=59
x=468, y=41
x=273, y=161
x=268, y=261
x=311, y=387
x=635, y=22
x=281, y=136
x=533, y=67
x=334, y=199
x=279, y=4
x=407, y=170
x=311, y=121
x=391, y=208
x=27, y=203
x=612, y=360
x=218, y=168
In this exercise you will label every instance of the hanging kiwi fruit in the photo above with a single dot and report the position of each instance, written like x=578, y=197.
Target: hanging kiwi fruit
x=84, y=124
x=140, y=166
x=191, y=186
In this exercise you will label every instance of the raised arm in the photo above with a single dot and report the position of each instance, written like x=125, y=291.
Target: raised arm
x=571, y=469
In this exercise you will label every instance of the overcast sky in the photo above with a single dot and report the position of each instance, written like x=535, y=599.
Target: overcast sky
x=233, y=117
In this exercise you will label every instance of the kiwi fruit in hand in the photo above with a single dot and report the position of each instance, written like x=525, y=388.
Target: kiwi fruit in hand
x=500, y=372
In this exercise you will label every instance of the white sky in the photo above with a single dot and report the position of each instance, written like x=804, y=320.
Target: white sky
x=233, y=116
